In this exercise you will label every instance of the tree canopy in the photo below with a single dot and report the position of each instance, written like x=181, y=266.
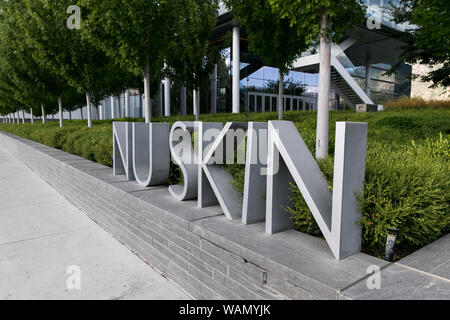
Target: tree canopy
x=23, y=81
x=427, y=42
x=306, y=15
x=135, y=33
x=191, y=57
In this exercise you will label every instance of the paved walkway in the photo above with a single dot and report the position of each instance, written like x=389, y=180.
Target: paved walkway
x=48, y=247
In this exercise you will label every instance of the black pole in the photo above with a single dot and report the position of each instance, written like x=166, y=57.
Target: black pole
x=390, y=244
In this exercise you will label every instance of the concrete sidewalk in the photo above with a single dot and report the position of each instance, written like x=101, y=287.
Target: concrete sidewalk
x=43, y=236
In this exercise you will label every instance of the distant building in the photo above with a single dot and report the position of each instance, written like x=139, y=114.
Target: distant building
x=422, y=89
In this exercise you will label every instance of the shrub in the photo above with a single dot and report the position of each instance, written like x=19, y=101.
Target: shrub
x=397, y=122
x=409, y=190
x=416, y=103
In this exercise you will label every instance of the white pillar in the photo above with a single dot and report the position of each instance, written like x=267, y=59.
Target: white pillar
x=195, y=103
x=323, y=111
x=113, y=115
x=167, y=97
x=148, y=98
x=141, y=105
x=44, y=117
x=61, y=112
x=127, y=101
x=100, y=111
x=236, y=68
x=196, y=98
x=89, y=109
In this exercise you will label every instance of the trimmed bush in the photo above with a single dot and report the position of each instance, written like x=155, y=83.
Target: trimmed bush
x=416, y=103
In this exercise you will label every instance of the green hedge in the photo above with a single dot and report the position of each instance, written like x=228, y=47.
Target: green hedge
x=93, y=144
x=407, y=183
x=417, y=103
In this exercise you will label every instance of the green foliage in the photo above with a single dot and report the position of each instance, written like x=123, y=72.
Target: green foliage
x=407, y=183
x=24, y=82
x=397, y=122
x=191, y=57
x=408, y=189
x=93, y=144
x=268, y=34
x=427, y=42
x=299, y=211
x=141, y=42
x=306, y=16
x=439, y=149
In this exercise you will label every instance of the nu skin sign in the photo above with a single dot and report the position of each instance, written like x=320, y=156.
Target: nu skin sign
x=275, y=157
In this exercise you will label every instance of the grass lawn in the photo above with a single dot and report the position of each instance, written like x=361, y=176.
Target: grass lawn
x=407, y=176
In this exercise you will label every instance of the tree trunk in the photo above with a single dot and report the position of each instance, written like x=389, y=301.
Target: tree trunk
x=113, y=114
x=89, y=111
x=23, y=116
x=81, y=113
x=280, y=96
x=60, y=107
x=167, y=97
x=148, y=105
x=70, y=115
x=31, y=115
x=323, y=111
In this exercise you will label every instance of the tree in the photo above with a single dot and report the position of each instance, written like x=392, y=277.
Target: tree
x=135, y=33
x=270, y=37
x=68, y=53
x=25, y=81
x=427, y=42
x=321, y=20
x=192, y=58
